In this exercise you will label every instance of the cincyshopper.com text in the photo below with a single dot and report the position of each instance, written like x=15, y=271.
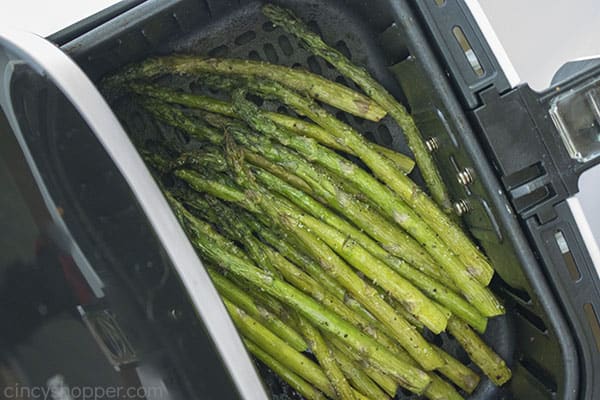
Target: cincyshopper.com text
x=18, y=392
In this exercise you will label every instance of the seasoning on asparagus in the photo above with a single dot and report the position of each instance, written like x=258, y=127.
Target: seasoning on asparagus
x=414, y=205
x=292, y=24
x=206, y=241
x=482, y=298
x=314, y=237
x=326, y=359
x=297, y=125
x=318, y=87
x=245, y=302
x=287, y=216
x=482, y=355
x=304, y=388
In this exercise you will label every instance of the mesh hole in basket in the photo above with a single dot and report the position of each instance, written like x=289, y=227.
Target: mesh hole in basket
x=253, y=55
x=196, y=87
x=313, y=26
x=519, y=294
x=341, y=80
x=268, y=26
x=341, y=116
x=342, y=47
x=313, y=65
x=256, y=99
x=540, y=373
x=245, y=37
x=370, y=136
x=462, y=356
x=438, y=340
x=285, y=45
x=384, y=135
x=358, y=120
x=220, y=51
x=271, y=53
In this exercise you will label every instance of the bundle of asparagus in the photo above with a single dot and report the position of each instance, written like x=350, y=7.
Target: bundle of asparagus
x=311, y=252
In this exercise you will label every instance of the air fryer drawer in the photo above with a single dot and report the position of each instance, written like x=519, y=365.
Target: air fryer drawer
x=389, y=38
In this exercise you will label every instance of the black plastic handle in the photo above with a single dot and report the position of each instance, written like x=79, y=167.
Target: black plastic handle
x=463, y=48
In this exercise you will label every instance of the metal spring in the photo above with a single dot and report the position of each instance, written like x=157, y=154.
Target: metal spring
x=466, y=176
x=462, y=207
x=432, y=144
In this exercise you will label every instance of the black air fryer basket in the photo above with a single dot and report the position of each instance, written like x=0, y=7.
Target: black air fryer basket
x=412, y=48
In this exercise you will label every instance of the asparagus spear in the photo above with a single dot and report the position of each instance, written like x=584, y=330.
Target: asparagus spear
x=289, y=271
x=459, y=374
x=292, y=24
x=208, y=158
x=295, y=381
x=384, y=381
x=206, y=240
x=392, y=238
x=478, y=323
x=437, y=390
x=408, y=191
x=432, y=288
x=307, y=284
x=451, y=368
x=266, y=148
x=273, y=345
x=297, y=125
x=285, y=245
x=246, y=303
x=290, y=218
x=360, y=380
x=482, y=355
x=277, y=170
x=481, y=298
x=320, y=88
x=442, y=224
x=327, y=360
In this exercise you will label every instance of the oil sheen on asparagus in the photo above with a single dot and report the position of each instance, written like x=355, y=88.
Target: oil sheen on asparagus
x=336, y=267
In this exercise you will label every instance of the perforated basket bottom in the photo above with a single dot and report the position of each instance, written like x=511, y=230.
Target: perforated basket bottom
x=245, y=33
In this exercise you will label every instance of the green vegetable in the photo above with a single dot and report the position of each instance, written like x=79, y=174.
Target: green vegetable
x=320, y=88
x=297, y=125
x=210, y=244
x=292, y=24
x=303, y=387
